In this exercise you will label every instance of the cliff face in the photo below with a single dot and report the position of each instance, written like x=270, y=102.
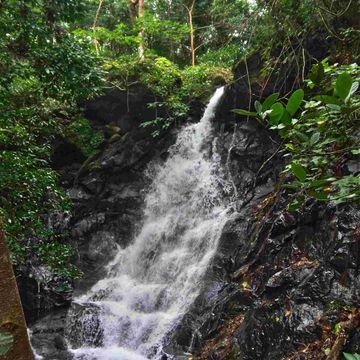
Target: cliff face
x=282, y=284
x=279, y=282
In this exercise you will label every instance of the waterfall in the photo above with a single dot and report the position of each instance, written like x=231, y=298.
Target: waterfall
x=152, y=282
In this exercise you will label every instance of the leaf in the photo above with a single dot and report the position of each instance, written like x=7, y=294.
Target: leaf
x=354, y=87
x=6, y=342
x=348, y=356
x=258, y=106
x=317, y=73
x=286, y=118
x=326, y=99
x=298, y=171
x=334, y=107
x=302, y=136
x=277, y=111
x=315, y=137
x=244, y=112
x=343, y=85
x=296, y=204
x=269, y=101
x=319, y=195
x=294, y=102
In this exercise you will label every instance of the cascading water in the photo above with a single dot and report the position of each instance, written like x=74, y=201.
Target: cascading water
x=151, y=283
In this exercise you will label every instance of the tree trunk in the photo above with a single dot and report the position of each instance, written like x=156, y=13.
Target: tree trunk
x=12, y=320
x=96, y=44
x=192, y=33
x=132, y=6
x=141, y=34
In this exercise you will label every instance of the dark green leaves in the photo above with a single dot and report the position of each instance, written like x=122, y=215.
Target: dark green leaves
x=298, y=171
x=315, y=137
x=269, y=101
x=244, y=112
x=343, y=85
x=294, y=102
x=6, y=342
x=317, y=73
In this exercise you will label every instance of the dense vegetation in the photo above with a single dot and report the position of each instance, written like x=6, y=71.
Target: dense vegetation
x=56, y=53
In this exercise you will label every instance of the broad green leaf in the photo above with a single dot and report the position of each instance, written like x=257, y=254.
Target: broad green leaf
x=326, y=99
x=277, y=111
x=315, y=137
x=269, y=101
x=286, y=118
x=6, y=342
x=244, y=112
x=294, y=102
x=258, y=106
x=298, y=171
x=343, y=85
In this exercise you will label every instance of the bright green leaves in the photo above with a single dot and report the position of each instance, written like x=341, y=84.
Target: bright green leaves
x=244, y=112
x=294, y=102
x=277, y=112
x=6, y=342
x=279, y=116
x=343, y=85
x=318, y=140
x=348, y=356
x=269, y=101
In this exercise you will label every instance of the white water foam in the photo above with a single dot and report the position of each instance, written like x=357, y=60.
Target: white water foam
x=152, y=282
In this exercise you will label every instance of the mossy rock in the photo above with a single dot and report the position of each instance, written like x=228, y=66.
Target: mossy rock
x=89, y=164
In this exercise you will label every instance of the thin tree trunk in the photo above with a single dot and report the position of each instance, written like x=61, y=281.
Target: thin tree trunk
x=96, y=44
x=132, y=12
x=192, y=33
x=141, y=34
x=12, y=319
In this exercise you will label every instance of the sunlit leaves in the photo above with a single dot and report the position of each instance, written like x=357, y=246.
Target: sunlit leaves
x=343, y=85
x=320, y=131
x=294, y=102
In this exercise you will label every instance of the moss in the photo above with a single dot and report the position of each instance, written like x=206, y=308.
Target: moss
x=114, y=138
x=89, y=164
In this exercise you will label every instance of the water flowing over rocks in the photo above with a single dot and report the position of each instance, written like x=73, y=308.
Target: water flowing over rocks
x=277, y=283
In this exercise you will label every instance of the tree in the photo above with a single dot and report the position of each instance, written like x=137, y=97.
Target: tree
x=14, y=341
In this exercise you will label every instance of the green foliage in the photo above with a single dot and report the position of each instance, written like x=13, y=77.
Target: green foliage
x=44, y=72
x=57, y=257
x=319, y=138
x=80, y=133
x=348, y=356
x=6, y=342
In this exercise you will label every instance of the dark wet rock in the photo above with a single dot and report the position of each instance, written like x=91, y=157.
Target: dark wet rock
x=83, y=325
x=47, y=337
